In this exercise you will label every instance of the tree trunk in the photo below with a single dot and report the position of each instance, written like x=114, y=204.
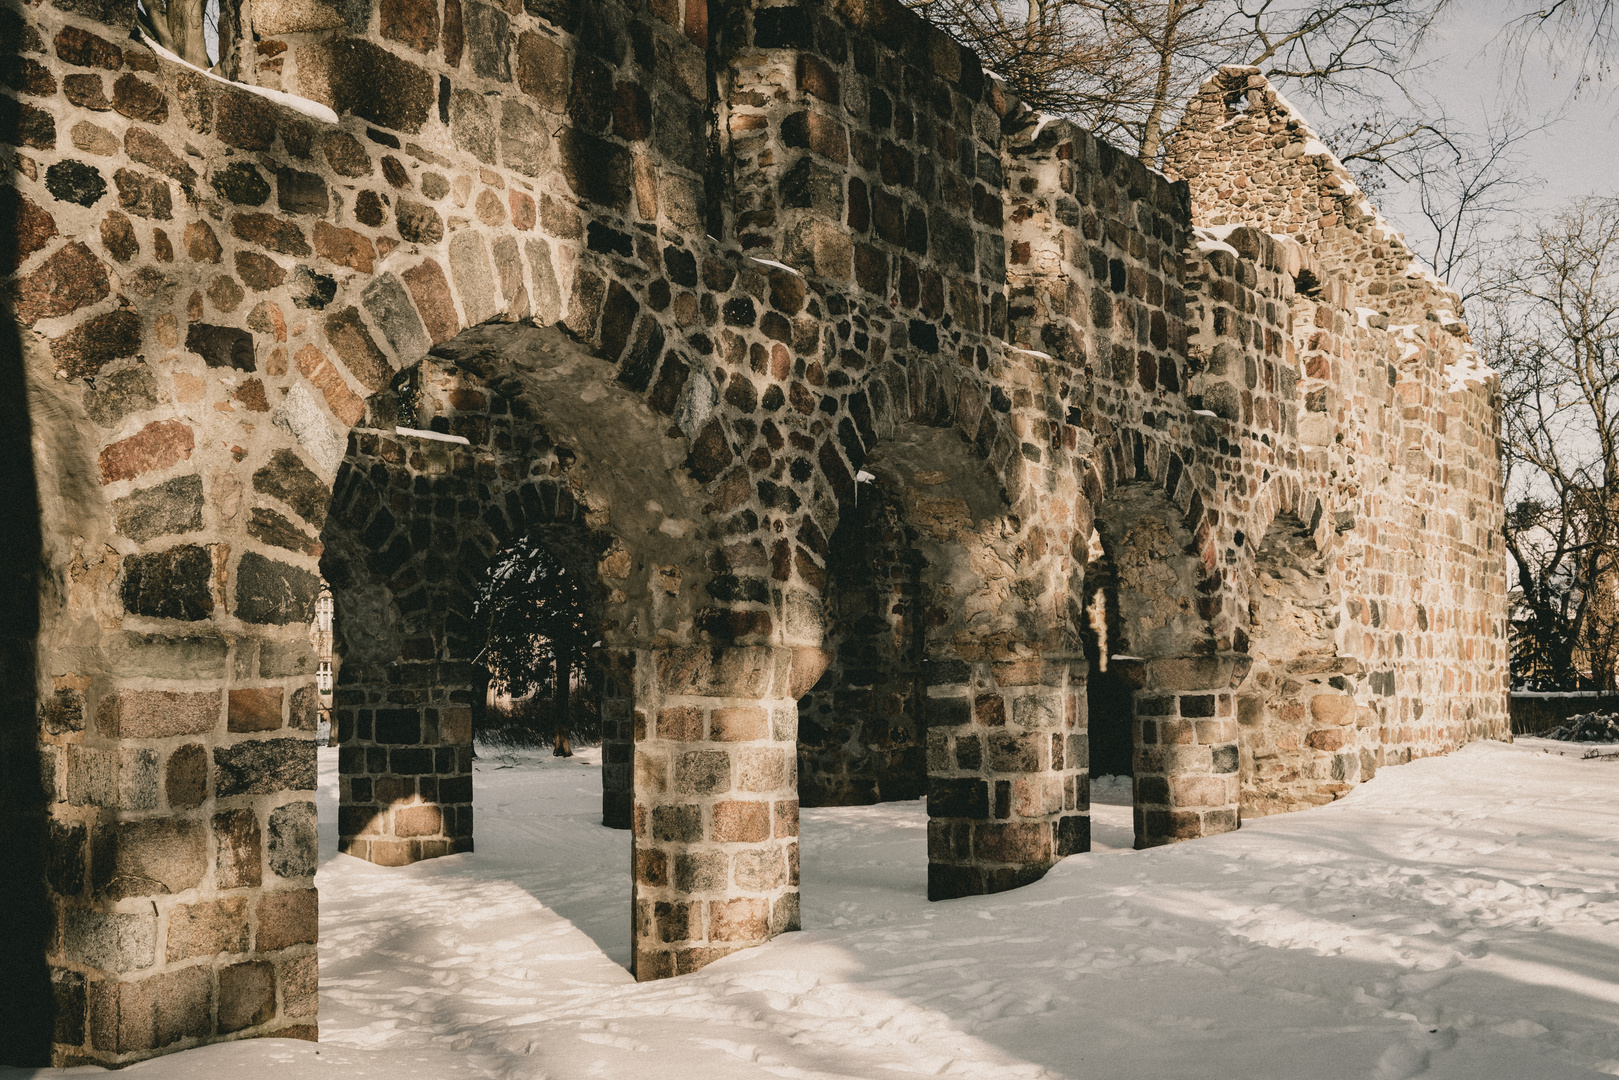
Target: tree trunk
x=185, y=21
x=564, y=728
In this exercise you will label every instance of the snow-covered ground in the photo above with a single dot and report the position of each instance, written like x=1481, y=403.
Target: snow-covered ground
x=1457, y=917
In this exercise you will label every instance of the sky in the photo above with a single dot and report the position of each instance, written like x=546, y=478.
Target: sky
x=1472, y=71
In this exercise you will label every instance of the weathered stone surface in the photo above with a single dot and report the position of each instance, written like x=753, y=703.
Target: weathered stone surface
x=173, y=584
x=222, y=346
x=241, y=183
x=238, y=842
x=96, y=342
x=208, y=928
x=156, y=446
x=148, y=858
x=273, y=592
x=262, y=766
x=254, y=708
x=84, y=49
x=524, y=141
x=293, y=844
x=286, y=477
x=488, y=32
x=596, y=171
x=431, y=291
x=419, y=223
x=63, y=283
x=174, y=506
x=185, y=781
x=75, y=182
x=32, y=228
x=246, y=995
x=410, y=22
x=354, y=345
x=299, y=192
x=353, y=75
x=245, y=120
x=139, y=100
x=390, y=308
x=153, y=152
x=542, y=70
x=275, y=17
x=270, y=232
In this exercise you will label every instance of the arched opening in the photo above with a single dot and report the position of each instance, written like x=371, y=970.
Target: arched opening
x=945, y=678
x=861, y=738
x=1183, y=724
x=538, y=610
x=1296, y=712
x=1109, y=703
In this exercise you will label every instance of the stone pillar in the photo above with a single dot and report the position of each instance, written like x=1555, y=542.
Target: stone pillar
x=1008, y=773
x=1187, y=783
x=183, y=849
x=405, y=793
x=618, y=721
x=716, y=801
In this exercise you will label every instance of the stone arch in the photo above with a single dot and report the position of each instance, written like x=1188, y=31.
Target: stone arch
x=415, y=523
x=1295, y=710
x=988, y=644
x=1163, y=597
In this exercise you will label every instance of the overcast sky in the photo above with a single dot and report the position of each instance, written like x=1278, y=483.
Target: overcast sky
x=1475, y=77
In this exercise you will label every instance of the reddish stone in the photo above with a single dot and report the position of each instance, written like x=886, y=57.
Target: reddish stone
x=430, y=289
x=356, y=348
x=201, y=243
x=410, y=22
x=84, y=49
x=289, y=917
x=162, y=250
x=271, y=232
x=740, y=724
x=256, y=708
x=740, y=822
x=63, y=283
x=696, y=26
x=139, y=100
x=817, y=78
x=155, y=446
x=454, y=36
x=24, y=125
x=345, y=404
x=31, y=228
x=344, y=247
x=522, y=209
x=239, y=843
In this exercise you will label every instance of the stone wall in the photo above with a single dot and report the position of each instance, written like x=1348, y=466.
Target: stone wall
x=802, y=333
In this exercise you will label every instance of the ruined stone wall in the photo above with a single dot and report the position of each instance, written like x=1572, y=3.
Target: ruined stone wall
x=690, y=278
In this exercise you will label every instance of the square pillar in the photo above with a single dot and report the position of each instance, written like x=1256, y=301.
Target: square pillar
x=1008, y=772
x=716, y=801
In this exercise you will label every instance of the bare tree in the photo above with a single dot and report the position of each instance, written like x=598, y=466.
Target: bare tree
x=1468, y=190
x=1575, y=36
x=1551, y=328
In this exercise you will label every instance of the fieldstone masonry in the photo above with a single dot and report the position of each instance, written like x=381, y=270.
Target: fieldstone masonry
x=865, y=400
